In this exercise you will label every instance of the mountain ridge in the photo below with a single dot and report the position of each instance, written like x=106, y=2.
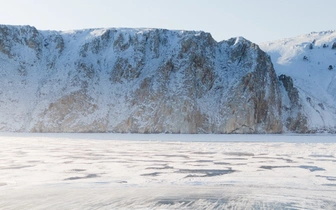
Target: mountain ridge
x=141, y=81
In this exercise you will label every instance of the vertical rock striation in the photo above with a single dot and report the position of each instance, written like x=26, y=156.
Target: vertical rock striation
x=135, y=80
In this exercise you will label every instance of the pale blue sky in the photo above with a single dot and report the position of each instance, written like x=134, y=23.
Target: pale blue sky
x=256, y=20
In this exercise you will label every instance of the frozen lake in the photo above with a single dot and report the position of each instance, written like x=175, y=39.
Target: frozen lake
x=126, y=171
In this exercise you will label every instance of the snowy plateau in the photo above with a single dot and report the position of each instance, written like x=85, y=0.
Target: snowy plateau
x=163, y=81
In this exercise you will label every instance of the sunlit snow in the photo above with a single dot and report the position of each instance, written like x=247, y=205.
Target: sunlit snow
x=115, y=171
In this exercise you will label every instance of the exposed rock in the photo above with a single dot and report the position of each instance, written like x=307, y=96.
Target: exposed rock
x=292, y=92
x=333, y=46
x=135, y=80
x=58, y=113
x=295, y=121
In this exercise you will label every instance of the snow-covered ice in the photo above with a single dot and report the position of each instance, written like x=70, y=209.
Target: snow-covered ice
x=126, y=171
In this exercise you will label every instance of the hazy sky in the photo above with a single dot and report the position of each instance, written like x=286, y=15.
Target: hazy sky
x=256, y=20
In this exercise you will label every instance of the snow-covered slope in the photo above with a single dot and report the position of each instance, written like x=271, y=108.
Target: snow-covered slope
x=310, y=60
x=135, y=80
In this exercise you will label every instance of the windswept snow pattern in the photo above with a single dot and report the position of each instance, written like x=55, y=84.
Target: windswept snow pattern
x=109, y=171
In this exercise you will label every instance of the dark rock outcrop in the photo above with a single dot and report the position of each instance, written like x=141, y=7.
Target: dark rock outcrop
x=295, y=121
x=135, y=80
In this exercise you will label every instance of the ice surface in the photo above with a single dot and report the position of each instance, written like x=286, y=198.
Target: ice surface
x=125, y=171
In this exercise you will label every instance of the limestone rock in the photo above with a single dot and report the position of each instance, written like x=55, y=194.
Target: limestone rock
x=295, y=121
x=135, y=80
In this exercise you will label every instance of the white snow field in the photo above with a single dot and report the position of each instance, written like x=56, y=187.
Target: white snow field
x=125, y=171
x=310, y=60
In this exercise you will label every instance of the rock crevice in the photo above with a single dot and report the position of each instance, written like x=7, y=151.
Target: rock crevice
x=136, y=80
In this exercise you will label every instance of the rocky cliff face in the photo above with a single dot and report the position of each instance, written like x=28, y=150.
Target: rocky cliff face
x=135, y=80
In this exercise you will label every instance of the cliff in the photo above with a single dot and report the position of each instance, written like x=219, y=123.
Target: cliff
x=136, y=80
